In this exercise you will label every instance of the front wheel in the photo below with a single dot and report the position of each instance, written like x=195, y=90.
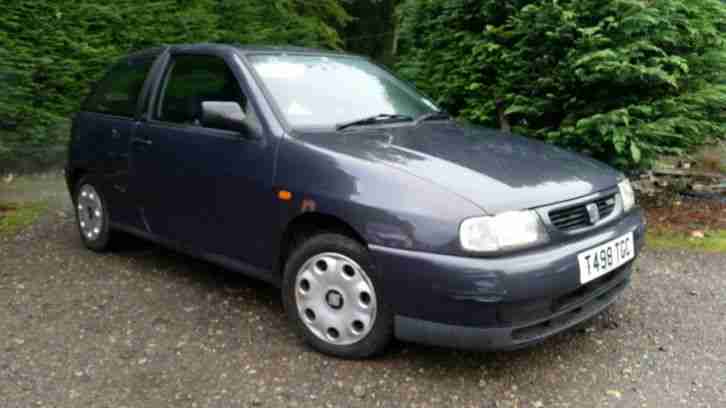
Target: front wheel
x=332, y=294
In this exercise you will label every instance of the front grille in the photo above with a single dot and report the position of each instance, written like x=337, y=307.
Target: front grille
x=571, y=218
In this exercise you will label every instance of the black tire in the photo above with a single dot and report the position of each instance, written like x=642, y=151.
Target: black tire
x=101, y=242
x=381, y=332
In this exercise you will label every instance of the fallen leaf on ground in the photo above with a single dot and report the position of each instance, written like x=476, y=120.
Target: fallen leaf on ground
x=615, y=393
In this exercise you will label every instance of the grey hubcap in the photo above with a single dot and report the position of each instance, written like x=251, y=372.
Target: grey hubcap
x=90, y=212
x=335, y=298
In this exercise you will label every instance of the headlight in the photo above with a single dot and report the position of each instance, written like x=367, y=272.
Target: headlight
x=507, y=230
x=627, y=195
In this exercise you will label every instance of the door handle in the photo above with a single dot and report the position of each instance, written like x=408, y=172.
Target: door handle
x=137, y=140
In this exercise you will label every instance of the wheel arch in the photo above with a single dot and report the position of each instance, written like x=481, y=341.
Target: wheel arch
x=308, y=224
x=74, y=176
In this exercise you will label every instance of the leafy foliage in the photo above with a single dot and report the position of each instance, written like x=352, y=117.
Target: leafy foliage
x=15, y=217
x=50, y=52
x=624, y=80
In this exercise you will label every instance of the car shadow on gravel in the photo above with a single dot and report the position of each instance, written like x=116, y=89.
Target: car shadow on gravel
x=152, y=256
x=432, y=356
x=208, y=294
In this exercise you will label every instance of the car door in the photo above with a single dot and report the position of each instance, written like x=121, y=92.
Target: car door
x=206, y=188
x=106, y=125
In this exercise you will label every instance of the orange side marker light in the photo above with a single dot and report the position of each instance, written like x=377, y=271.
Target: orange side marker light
x=284, y=195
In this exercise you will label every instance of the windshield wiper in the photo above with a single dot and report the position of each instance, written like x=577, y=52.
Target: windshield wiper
x=435, y=115
x=372, y=120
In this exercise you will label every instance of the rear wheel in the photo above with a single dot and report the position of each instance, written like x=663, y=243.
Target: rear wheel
x=332, y=295
x=92, y=216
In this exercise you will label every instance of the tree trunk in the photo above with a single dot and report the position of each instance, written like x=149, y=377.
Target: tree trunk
x=502, y=117
x=374, y=30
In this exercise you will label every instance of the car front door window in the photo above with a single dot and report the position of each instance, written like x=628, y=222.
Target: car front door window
x=193, y=80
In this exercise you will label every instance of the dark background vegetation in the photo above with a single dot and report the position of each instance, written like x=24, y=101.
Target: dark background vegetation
x=622, y=80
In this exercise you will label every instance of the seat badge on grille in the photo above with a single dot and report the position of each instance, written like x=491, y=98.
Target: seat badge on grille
x=593, y=212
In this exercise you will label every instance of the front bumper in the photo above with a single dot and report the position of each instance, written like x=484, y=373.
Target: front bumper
x=499, y=303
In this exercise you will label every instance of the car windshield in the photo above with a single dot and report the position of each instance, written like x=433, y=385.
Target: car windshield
x=325, y=91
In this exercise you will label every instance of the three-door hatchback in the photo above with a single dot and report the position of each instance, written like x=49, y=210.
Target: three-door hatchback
x=375, y=213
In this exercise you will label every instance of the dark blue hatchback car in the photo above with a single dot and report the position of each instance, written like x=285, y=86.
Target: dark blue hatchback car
x=376, y=213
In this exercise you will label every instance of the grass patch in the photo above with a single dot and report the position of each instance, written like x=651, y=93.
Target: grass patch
x=15, y=217
x=713, y=241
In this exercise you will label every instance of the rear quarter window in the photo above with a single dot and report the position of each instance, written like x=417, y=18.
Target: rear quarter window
x=118, y=92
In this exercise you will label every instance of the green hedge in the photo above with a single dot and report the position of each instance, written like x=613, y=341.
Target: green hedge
x=624, y=80
x=51, y=51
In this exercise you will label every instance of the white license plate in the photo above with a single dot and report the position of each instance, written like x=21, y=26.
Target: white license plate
x=602, y=259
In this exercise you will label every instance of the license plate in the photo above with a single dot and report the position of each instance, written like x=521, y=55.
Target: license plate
x=602, y=259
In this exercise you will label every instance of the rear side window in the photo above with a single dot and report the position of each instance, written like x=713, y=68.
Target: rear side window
x=192, y=80
x=119, y=90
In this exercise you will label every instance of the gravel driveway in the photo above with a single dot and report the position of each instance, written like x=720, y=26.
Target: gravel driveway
x=145, y=327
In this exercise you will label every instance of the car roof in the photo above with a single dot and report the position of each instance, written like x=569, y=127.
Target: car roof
x=244, y=48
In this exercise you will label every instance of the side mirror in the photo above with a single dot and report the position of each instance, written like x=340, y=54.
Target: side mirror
x=224, y=115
